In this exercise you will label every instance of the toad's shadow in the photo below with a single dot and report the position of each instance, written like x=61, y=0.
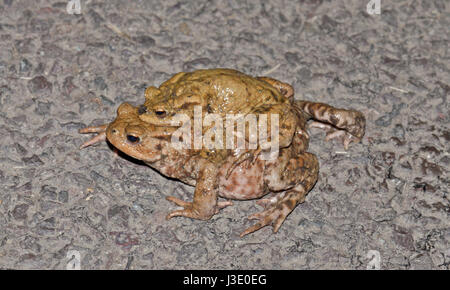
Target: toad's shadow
x=125, y=156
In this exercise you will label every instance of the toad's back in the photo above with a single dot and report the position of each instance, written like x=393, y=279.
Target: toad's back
x=222, y=91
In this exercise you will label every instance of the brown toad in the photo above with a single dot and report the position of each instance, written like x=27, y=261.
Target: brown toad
x=227, y=91
x=221, y=92
x=145, y=134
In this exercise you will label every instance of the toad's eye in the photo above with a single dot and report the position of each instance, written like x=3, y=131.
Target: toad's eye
x=133, y=139
x=160, y=113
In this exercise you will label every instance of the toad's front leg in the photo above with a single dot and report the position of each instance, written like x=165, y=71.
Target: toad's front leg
x=101, y=130
x=205, y=203
x=349, y=124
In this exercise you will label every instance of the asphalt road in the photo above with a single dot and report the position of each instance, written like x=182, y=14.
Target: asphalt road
x=384, y=202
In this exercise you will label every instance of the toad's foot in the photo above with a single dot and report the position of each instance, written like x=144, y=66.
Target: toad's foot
x=273, y=216
x=276, y=210
x=333, y=133
x=265, y=202
x=101, y=130
x=190, y=211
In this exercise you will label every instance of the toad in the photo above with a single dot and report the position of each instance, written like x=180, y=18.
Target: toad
x=222, y=92
x=281, y=183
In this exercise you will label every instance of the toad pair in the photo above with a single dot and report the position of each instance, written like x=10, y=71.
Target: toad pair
x=146, y=133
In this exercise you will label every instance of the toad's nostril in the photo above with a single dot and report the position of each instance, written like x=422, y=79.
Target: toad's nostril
x=114, y=131
x=133, y=139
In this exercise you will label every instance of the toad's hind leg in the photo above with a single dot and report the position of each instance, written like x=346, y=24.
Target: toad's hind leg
x=349, y=124
x=300, y=175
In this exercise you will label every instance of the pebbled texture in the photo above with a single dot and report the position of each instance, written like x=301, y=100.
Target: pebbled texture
x=61, y=72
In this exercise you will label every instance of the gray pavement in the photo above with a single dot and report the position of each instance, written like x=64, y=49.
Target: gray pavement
x=384, y=202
